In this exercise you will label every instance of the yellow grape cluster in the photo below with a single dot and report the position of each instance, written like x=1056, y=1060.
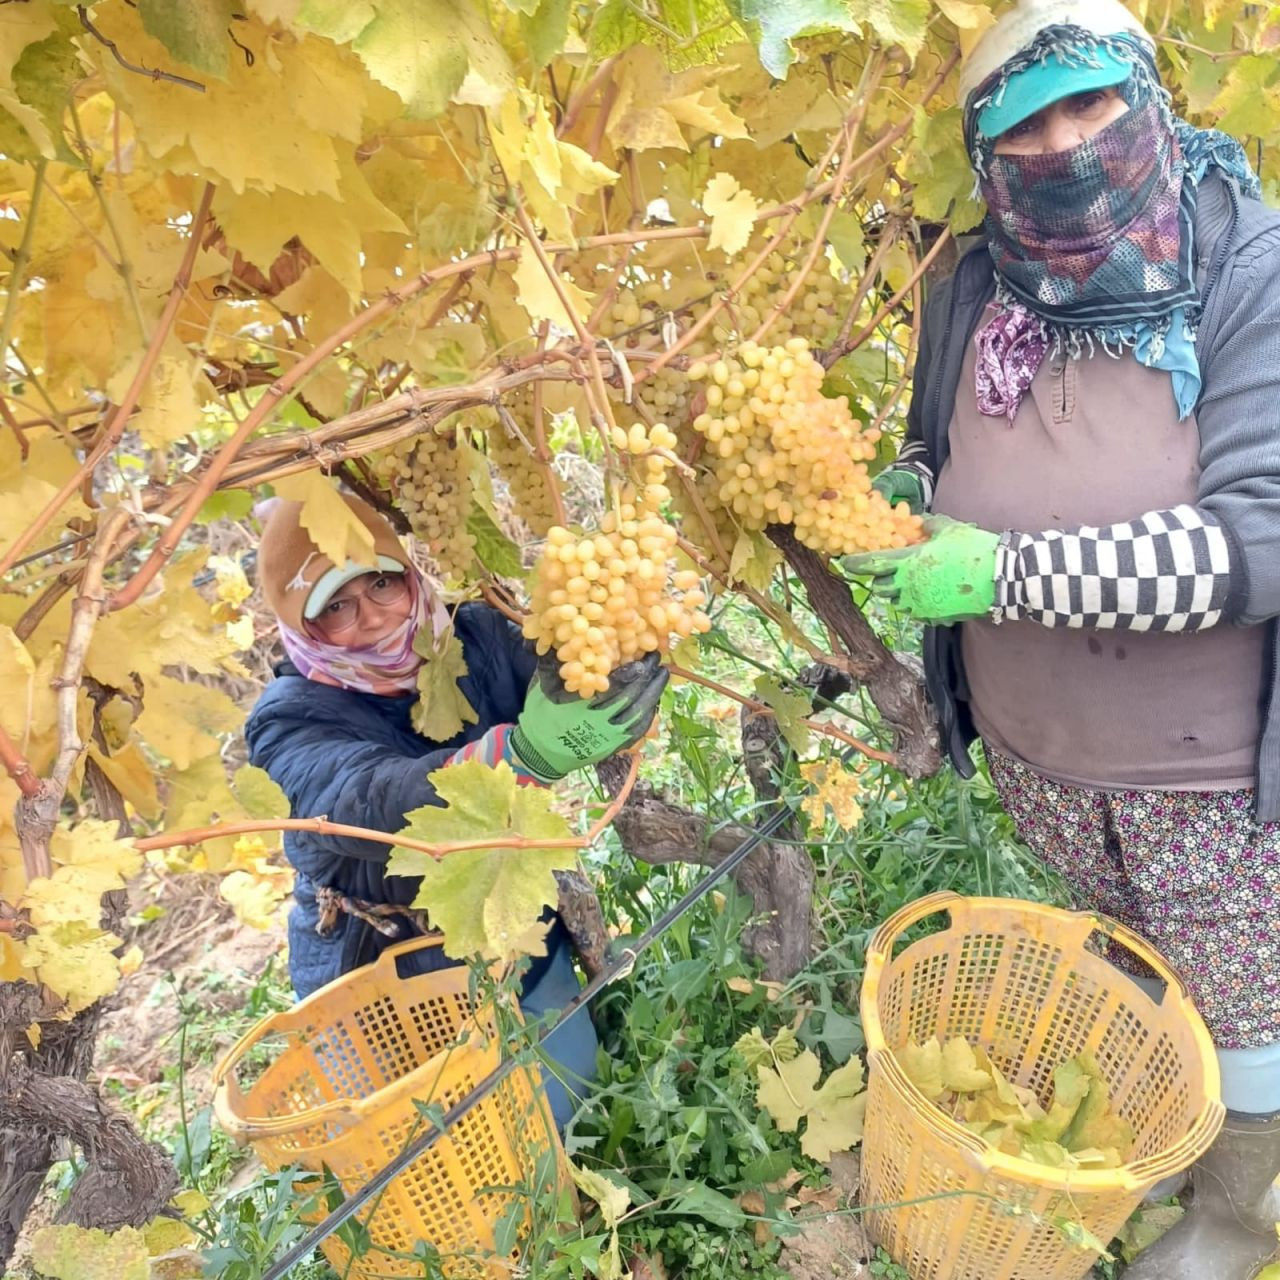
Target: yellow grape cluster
x=528, y=482
x=429, y=476
x=652, y=451
x=603, y=599
x=780, y=452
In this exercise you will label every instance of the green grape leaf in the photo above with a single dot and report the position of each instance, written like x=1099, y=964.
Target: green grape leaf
x=442, y=708
x=77, y=1253
x=895, y=21
x=938, y=166
x=494, y=549
x=259, y=794
x=777, y=25
x=424, y=50
x=789, y=709
x=486, y=900
x=194, y=31
x=544, y=29
x=1248, y=104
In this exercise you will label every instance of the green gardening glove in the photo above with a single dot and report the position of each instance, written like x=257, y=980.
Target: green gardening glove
x=558, y=732
x=897, y=484
x=949, y=578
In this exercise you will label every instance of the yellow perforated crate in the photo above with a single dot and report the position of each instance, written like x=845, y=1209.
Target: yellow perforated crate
x=1028, y=983
x=344, y=1070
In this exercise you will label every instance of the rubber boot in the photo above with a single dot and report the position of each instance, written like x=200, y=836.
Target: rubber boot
x=1230, y=1227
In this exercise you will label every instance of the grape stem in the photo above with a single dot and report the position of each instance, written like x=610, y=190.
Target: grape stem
x=763, y=708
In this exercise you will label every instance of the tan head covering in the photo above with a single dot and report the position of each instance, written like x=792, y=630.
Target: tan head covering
x=295, y=573
x=1017, y=28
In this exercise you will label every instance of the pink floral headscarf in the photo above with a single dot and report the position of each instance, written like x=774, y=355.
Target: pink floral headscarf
x=391, y=663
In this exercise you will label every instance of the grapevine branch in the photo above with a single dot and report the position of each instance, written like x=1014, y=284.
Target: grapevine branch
x=17, y=766
x=435, y=849
x=150, y=73
x=115, y=425
x=37, y=813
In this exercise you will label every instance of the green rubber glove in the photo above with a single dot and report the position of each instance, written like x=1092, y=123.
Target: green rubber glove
x=558, y=732
x=949, y=578
x=900, y=485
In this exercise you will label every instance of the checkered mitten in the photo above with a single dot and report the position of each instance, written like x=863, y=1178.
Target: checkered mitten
x=1165, y=571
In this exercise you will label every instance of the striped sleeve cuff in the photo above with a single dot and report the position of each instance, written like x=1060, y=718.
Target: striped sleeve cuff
x=1165, y=571
x=914, y=457
x=492, y=747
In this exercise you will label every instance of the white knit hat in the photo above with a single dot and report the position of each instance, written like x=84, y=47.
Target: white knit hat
x=1020, y=26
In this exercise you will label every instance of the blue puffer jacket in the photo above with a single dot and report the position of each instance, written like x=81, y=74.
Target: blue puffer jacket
x=355, y=758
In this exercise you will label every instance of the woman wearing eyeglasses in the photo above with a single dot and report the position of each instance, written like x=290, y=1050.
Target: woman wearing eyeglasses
x=334, y=730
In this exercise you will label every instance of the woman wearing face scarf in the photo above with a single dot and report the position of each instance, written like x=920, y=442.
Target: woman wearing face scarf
x=1095, y=423
x=334, y=731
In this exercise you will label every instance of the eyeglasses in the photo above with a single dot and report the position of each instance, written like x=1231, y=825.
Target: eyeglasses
x=342, y=614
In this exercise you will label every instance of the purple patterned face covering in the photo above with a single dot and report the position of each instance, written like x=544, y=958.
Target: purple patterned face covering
x=1094, y=235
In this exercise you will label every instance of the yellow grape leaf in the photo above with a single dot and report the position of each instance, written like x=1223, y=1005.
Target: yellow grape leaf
x=27, y=487
x=295, y=98
x=732, y=211
x=11, y=966
x=837, y=787
x=960, y=1069
x=1248, y=104
x=833, y=1113
x=970, y=20
x=231, y=586
x=442, y=708
x=74, y=961
x=259, y=223
x=281, y=11
x=199, y=796
x=181, y=720
x=169, y=408
x=753, y=560
x=755, y=1049
x=26, y=710
x=612, y=1199
x=789, y=709
x=177, y=625
x=923, y=1066
x=79, y=1253
x=1150, y=1221
x=652, y=103
x=614, y=1202
x=333, y=526
x=487, y=901
x=258, y=793
x=256, y=895
x=538, y=295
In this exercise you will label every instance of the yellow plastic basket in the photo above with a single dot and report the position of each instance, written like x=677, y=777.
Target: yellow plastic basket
x=345, y=1068
x=1020, y=980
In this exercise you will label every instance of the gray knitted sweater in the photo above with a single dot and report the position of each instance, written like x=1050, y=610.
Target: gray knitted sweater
x=1238, y=415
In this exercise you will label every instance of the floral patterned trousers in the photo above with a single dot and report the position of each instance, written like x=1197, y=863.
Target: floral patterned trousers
x=1190, y=871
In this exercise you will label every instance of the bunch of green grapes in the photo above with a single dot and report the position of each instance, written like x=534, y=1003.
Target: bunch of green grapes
x=429, y=478
x=603, y=599
x=780, y=452
x=528, y=481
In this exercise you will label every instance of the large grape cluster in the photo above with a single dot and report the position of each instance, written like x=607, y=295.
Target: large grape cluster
x=429, y=478
x=603, y=599
x=777, y=451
